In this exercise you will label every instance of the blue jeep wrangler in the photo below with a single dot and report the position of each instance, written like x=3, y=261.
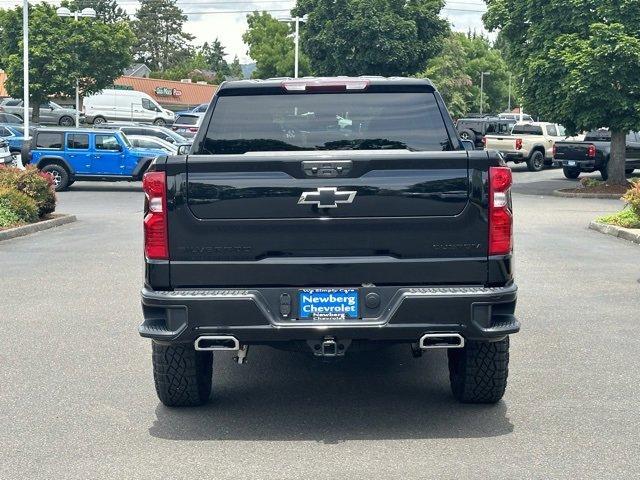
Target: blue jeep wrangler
x=71, y=154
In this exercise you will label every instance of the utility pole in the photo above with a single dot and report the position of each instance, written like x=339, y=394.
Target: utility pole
x=509, y=108
x=296, y=39
x=85, y=13
x=25, y=66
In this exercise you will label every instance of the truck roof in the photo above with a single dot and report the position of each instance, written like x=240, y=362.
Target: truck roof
x=536, y=124
x=277, y=82
x=100, y=131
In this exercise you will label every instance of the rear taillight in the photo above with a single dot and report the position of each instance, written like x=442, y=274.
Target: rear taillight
x=553, y=150
x=500, y=216
x=591, y=151
x=193, y=129
x=156, y=242
x=518, y=144
x=484, y=141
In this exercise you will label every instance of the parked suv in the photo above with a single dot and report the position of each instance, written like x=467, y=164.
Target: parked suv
x=475, y=129
x=77, y=154
x=50, y=113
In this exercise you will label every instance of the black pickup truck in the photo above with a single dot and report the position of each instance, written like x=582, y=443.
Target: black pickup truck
x=328, y=215
x=592, y=154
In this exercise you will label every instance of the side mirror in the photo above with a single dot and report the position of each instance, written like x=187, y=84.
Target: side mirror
x=468, y=145
x=169, y=139
x=183, y=149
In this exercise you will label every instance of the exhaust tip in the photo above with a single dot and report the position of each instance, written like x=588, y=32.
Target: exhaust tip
x=217, y=342
x=441, y=340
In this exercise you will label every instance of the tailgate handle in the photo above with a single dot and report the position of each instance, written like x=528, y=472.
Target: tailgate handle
x=327, y=169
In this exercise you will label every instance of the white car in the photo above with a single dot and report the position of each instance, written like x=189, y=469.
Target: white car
x=140, y=141
x=125, y=105
x=6, y=157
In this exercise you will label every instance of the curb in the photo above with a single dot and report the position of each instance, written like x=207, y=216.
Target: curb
x=36, y=227
x=631, y=234
x=608, y=196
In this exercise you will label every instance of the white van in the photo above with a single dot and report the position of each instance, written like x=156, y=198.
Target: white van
x=125, y=105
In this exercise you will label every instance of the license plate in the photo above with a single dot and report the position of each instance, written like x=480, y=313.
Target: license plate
x=328, y=303
x=182, y=130
x=571, y=163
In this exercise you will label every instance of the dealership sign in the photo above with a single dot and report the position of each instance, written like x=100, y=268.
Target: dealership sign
x=167, y=92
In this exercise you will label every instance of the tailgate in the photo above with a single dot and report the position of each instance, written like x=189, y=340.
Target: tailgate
x=331, y=219
x=571, y=151
x=503, y=143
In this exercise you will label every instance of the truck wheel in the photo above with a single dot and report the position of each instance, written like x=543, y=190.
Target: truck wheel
x=478, y=372
x=159, y=122
x=467, y=135
x=604, y=174
x=59, y=175
x=571, y=173
x=99, y=120
x=182, y=375
x=535, y=163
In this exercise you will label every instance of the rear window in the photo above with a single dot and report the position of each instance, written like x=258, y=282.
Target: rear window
x=327, y=121
x=186, y=119
x=49, y=140
x=598, y=136
x=527, y=130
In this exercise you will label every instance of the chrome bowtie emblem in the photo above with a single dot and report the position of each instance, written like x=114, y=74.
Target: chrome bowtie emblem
x=326, y=197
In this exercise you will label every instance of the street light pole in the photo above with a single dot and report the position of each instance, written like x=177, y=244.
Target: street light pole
x=25, y=66
x=482, y=74
x=509, y=108
x=85, y=13
x=296, y=39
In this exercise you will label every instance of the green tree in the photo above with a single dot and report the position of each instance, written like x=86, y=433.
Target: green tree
x=214, y=55
x=271, y=46
x=61, y=50
x=580, y=62
x=456, y=73
x=371, y=37
x=161, y=42
x=235, y=69
x=107, y=11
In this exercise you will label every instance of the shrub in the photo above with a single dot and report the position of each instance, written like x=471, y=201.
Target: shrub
x=632, y=197
x=33, y=183
x=590, y=182
x=16, y=207
x=626, y=218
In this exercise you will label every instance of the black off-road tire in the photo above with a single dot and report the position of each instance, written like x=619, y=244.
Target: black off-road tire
x=571, y=173
x=478, y=372
x=628, y=171
x=604, y=173
x=468, y=135
x=535, y=162
x=59, y=175
x=182, y=375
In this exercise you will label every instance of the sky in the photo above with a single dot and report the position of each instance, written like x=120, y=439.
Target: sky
x=226, y=19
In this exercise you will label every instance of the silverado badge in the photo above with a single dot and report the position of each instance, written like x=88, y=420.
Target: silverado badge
x=326, y=197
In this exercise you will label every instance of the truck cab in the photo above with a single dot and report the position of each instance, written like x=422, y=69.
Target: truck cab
x=71, y=154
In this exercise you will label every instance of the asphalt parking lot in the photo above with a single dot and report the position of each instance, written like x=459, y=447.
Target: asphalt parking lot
x=77, y=398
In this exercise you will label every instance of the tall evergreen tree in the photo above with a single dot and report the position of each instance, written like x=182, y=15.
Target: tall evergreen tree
x=235, y=69
x=161, y=41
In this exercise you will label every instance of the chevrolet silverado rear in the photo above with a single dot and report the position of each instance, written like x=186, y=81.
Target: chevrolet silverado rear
x=328, y=215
